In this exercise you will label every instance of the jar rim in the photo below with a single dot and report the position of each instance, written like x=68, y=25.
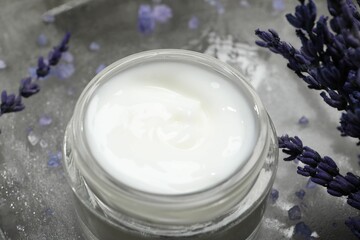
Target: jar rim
x=97, y=177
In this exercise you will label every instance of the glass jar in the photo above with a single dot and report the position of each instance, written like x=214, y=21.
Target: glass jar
x=231, y=210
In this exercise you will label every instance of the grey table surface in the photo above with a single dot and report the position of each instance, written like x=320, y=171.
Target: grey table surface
x=35, y=199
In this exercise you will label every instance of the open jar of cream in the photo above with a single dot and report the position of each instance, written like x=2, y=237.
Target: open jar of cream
x=170, y=144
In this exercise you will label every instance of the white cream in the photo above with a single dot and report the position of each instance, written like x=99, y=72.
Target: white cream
x=170, y=127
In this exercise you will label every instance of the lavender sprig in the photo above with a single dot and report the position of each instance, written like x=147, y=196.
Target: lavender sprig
x=329, y=59
x=13, y=103
x=322, y=170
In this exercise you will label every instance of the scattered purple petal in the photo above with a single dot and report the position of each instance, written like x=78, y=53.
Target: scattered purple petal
x=94, y=47
x=2, y=64
x=193, y=23
x=244, y=4
x=33, y=138
x=65, y=70
x=162, y=13
x=100, y=68
x=45, y=120
x=302, y=231
x=54, y=160
x=42, y=40
x=294, y=213
x=300, y=194
x=68, y=57
x=310, y=184
x=220, y=7
x=146, y=21
x=274, y=195
x=303, y=121
x=278, y=5
x=48, y=18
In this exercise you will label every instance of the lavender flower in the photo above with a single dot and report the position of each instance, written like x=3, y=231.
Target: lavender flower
x=329, y=59
x=162, y=13
x=28, y=88
x=146, y=21
x=10, y=103
x=193, y=23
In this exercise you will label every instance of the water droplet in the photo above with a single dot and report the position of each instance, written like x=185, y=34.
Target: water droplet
x=43, y=143
x=2, y=64
x=33, y=138
x=20, y=228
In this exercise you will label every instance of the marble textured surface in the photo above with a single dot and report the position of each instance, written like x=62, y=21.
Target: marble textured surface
x=35, y=199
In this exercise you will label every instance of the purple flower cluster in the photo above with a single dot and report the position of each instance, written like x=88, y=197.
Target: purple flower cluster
x=28, y=87
x=329, y=59
x=148, y=16
x=322, y=170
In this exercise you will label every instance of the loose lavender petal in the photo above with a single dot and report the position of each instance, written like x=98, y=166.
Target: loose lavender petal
x=54, y=160
x=42, y=40
x=278, y=5
x=100, y=68
x=303, y=121
x=94, y=47
x=45, y=120
x=274, y=195
x=146, y=21
x=300, y=194
x=48, y=18
x=68, y=57
x=193, y=23
x=162, y=13
x=2, y=64
x=65, y=70
x=302, y=231
x=33, y=138
x=294, y=213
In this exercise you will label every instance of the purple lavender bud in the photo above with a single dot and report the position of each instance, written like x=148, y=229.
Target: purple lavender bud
x=302, y=231
x=334, y=193
x=274, y=195
x=28, y=88
x=65, y=70
x=54, y=160
x=303, y=121
x=300, y=194
x=42, y=69
x=45, y=120
x=55, y=56
x=42, y=40
x=278, y=5
x=63, y=46
x=146, y=21
x=294, y=213
x=10, y=103
x=94, y=47
x=319, y=181
x=67, y=57
x=162, y=13
x=193, y=23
